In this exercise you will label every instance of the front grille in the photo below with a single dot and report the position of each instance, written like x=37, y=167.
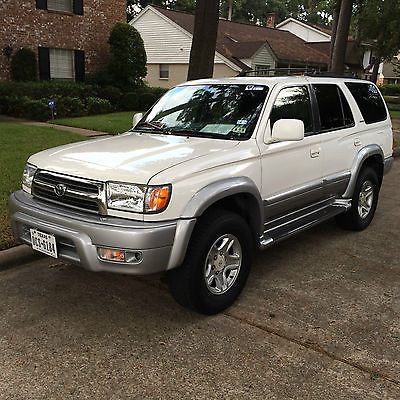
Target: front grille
x=77, y=193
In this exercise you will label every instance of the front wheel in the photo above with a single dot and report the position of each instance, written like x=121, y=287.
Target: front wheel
x=216, y=266
x=363, y=203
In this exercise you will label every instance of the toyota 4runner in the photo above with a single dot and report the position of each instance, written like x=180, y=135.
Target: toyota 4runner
x=215, y=169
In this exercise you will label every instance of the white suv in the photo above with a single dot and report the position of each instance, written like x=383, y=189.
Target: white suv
x=214, y=170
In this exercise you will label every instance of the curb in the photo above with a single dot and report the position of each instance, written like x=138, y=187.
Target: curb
x=17, y=255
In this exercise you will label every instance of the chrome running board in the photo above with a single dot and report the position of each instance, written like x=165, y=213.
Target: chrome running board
x=287, y=225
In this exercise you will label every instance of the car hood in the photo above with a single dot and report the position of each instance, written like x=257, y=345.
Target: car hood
x=132, y=157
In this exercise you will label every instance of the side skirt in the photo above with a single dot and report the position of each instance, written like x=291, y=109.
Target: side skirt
x=288, y=225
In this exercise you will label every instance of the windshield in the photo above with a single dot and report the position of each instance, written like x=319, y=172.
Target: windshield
x=218, y=111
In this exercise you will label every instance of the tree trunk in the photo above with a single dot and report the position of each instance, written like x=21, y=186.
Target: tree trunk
x=334, y=29
x=342, y=33
x=201, y=64
x=230, y=10
x=375, y=70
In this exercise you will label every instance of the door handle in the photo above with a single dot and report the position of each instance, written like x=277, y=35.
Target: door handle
x=314, y=153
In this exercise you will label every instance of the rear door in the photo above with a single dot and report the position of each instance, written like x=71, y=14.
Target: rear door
x=339, y=137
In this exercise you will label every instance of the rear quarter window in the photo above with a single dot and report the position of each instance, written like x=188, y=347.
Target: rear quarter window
x=369, y=101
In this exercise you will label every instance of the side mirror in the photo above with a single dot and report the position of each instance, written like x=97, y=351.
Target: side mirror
x=136, y=118
x=288, y=129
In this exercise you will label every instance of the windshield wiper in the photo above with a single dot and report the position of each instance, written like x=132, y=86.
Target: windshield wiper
x=152, y=125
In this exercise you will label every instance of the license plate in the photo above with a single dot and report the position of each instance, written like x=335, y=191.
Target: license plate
x=44, y=242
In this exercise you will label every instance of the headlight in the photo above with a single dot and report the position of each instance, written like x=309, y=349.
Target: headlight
x=27, y=176
x=137, y=198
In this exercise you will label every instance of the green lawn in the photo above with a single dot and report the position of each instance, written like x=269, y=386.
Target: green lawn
x=395, y=114
x=17, y=143
x=113, y=123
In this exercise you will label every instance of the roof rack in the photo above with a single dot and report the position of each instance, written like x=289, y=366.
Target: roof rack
x=296, y=72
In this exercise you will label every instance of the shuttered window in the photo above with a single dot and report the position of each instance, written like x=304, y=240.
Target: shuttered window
x=62, y=64
x=60, y=5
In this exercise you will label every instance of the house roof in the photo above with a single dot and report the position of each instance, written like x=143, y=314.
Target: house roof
x=353, y=52
x=325, y=31
x=237, y=41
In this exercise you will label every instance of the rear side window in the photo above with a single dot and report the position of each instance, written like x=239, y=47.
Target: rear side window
x=334, y=110
x=293, y=102
x=369, y=101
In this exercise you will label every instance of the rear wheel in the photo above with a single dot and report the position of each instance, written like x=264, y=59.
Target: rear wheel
x=216, y=266
x=363, y=203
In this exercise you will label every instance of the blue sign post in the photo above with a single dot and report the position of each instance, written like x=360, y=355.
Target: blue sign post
x=51, y=104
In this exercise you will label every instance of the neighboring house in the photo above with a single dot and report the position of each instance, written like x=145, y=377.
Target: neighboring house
x=167, y=37
x=69, y=37
x=391, y=72
x=357, y=58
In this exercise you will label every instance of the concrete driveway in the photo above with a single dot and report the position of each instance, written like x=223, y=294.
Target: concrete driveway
x=319, y=319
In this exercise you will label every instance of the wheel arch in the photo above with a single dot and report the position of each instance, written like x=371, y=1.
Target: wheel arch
x=371, y=155
x=240, y=195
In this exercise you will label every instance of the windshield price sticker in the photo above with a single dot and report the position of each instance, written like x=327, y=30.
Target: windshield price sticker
x=254, y=87
x=242, y=122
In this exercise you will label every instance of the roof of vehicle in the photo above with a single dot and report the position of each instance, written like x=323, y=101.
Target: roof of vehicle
x=270, y=80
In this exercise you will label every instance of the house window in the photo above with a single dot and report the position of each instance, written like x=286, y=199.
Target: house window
x=62, y=64
x=71, y=6
x=60, y=5
x=164, y=71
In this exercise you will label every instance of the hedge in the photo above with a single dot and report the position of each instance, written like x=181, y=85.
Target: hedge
x=29, y=100
x=390, y=90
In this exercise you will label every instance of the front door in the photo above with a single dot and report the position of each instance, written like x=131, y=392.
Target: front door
x=291, y=170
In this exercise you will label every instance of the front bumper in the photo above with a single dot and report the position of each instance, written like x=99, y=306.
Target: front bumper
x=79, y=234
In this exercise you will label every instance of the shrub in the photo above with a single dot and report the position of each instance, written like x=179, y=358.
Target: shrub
x=110, y=93
x=130, y=101
x=128, y=62
x=48, y=89
x=146, y=100
x=23, y=66
x=95, y=105
x=36, y=110
x=24, y=107
x=390, y=90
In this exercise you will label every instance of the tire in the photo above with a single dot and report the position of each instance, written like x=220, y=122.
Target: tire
x=363, y=203
x=188, y=283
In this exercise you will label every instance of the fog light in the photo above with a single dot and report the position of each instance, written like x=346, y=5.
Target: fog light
x=111, y=255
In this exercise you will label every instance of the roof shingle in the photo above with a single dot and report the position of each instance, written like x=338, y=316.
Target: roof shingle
x=238, y=41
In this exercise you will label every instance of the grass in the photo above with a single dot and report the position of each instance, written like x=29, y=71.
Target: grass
x=113, y=123
x=395, y=114
x=17, y=143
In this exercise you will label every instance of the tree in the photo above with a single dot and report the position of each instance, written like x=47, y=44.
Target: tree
x=339, y=41
x=135, y=6
x=128, y=62
x=23, y=66
x=201, y=63
x=379, y=20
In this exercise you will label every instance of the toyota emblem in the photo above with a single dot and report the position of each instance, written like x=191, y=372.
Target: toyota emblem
x=60, y=189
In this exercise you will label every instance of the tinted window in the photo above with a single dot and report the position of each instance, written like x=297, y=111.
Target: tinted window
x=293, y=102
x=215, y=111
x=334, y=110
x=369, y=101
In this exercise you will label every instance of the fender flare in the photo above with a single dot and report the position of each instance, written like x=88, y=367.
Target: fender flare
x=203, y=199
x=362, y=155
x=215, y=191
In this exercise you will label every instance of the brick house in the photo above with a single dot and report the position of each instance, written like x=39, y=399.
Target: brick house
x=69, y=37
